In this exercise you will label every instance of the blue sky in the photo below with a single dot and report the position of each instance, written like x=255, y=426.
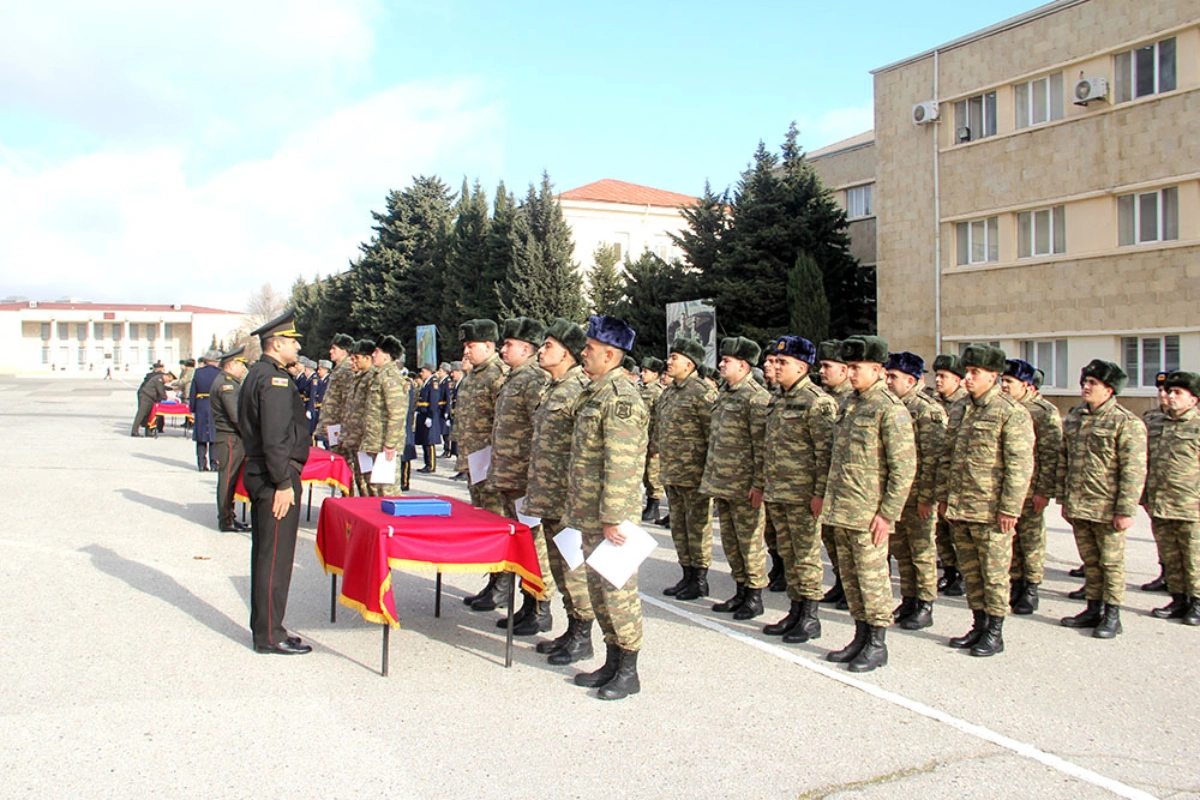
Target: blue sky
x=240, y=144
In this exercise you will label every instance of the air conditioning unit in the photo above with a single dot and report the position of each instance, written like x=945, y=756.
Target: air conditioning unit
x=924, y=113
x=1089, y=89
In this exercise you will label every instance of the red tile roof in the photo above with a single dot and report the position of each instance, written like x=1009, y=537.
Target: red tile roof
x=612, y=191
x=114, y=307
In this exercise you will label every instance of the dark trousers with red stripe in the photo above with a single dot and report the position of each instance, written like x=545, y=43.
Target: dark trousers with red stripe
x=228, y=455
x=272, y=549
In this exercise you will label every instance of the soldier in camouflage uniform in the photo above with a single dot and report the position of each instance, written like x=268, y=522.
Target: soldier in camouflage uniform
x=337, y=390
x=799, y=432
x=947, y=382
x=983, y=479
x=549, y=468
x=608, y=456
x=1172, y=496
x=872, y=466
x=512, y=434
x=1029, y=543
x=733, y=474
x=652, y=389
x=1101, y=475
x=1158, y=584
x=352, y=417
x=834, y=382
x=682, y=422
x=777, y=577
x=911, y=542
x=385, y=412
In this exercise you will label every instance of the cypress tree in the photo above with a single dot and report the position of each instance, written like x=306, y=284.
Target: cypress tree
x=604, y=283
x=543, y=281
x=808, y=307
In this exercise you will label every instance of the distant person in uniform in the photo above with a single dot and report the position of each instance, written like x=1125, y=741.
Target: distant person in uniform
x=203, y=434
x=228, y=454
x=153, y=390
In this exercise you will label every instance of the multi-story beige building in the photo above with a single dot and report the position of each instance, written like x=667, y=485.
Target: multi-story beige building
x=847, y=168
x=1039, y=187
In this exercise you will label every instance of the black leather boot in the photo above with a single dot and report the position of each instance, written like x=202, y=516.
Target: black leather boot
x=808, y=627
x=954, y=587
x=650, y=512
x=1173, y=610
x=1027, y=603
x=848, y=653
x=921, y=617
x=554, y=645
x=664, y=521
x=578, y=647
x=671, y=591
x=1079, y=593
x=836, y=593
x=498, y=596
x=491, y=581
x=697, y=587
x=1088, y=618
x=1110, y=623
x=1015, y=590
x=1159, y=584
x=784, y=625
x=753, y=606
x=625, y=682
x=948, y=574
x=528, y=606
x=776, y=578
x=906, y=607
x=1077, y=572
x=873, y=654
x=540, y=621
x=735, y=602
x=1192, y=616
x=992, y=640
x=605, y=673
x=972, y=636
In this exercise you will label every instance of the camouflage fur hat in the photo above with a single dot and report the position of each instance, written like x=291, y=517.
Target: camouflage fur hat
x=1021, y=370
x=906, y=362
x=873, y=349
x=364, y=347
x=948, y=362
x=628, y=364
x=344, y=341
x=478, y=330
x=830, y=350
x=391, y=345
x=741, y=347
x=568, y=334
x=524, y=329
x=1107, y=373
x=983, y=356
x=1188, y=381
x=689, y=347
x=653, y=364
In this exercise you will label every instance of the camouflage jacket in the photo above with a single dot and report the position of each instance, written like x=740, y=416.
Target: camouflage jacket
x=841, y=393
x=682, y=421
x=608, y=455
x=1173, y=457
x=550, y=450
x=354, y=412
x=475, y=408
x=987, y=462
x=512, y=428
x=650, y=393
x=735, y=442
x=1047, y=434
x=385, y=415
x=1102, y=463
x=948, y=402
x=799, y=433
x=873, y=460
x=929, y=433
x=337, y=395
x=223, y=396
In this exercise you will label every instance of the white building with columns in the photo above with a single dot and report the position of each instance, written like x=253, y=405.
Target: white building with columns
x=633, y=218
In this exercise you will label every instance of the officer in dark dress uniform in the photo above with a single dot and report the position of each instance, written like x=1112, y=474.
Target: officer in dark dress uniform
x=203, y=433
x=275, y=434
x=320, y=382
x=153, y=390
x=429, y=418
x=227, y=451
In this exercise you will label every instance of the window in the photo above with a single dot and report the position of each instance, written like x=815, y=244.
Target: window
x=1042, y=233
x=978, y=241
x=63, y=335
x=858, y=202
x=1149, y=217
x=975, y=117
x=133, y=330
x=151, y=355
x=1143, y=358
x=82, y=356
x=81, y=332
x=97, y=330
x=116, y=357
x=167, y=331
x=1039, y=101
x=1145, y=71
x=1050, y=356
x=151, y=332
x=45, y=331
x=118, y=330
x=45, y=354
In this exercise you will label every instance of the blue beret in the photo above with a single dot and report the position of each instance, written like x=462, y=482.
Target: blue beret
x=796, y=347
x=909, y=363
x=611, y=331
x=1021, y=370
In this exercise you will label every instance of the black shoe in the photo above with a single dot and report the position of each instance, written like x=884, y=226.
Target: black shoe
x=992, y=640
x=1015, y=590
x=1192, y=617
x=836, y=593
x=625, y=682
x=554, y=645
x=459, y=476
x=1088, y=618
x=808, y=627
x=605, y=673
x=955, y=586
x=664, y=521
x=972, y=636
x=650, y=512
x=948, y=574
x=498, y=596
x=697, y=587
x=540, y=621
x=1027, y=603
x=735, y=602
x=528, y=607
x=426, y=469
x=1078, y=572
x=491, y=581
x=671, y=591
x=861, y=632
x=1173, y=610
x=753, y=607
x=578, y=647
x=906, y=607
x=1110, y=623
x=776, y=578
x=921, y=617
x=843, y=604
x=873, y=653
x=1159, y=584
x=784, y=625
x=285, y=648
x=1078, y=594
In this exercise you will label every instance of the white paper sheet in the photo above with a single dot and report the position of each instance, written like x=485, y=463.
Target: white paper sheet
x=478, y=464
x=334, y=434
x=532, y=522
x=570, y=543
x=384, y=471
x=617, y=564
x=365, y=462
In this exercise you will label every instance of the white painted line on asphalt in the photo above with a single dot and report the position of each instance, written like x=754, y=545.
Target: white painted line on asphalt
x=988, y=735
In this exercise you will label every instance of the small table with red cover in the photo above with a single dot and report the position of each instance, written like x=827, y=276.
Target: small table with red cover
x=169, y=410
x=357, y=540
x=322, y=466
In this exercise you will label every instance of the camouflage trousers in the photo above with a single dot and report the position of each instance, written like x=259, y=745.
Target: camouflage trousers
x=945, y=544
x=691, y=526
x=509, y=499
x=618, y=608
x=830, y=542
x=1178, y=544
x=865, y=577
x=652, y=477
x=1103, y=552
x=911, y=544
x=361, y=487
x=984, y=556
x=1029, y=546
x=485, y=498
x=800, y=550
x=575, y=596
x=741, y=536
x=769, y=535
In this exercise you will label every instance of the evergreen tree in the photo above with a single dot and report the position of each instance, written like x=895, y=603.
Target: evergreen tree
x=808, y=307
x=708, y=222
x=499, y=246
x=651, y=283
x=605, y=287
x=543, y=282
x=468, y=282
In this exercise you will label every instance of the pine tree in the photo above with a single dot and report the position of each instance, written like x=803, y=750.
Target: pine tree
x=808, y=307
x=468, y=285
x=708, y=221
x=543, y=282
x=605, y=287
x=651, y=283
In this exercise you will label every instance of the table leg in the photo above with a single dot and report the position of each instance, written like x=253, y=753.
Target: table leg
x=387, y=629
x=512, y=600
x=333, y=598
x=437, y=598
x=308, y=517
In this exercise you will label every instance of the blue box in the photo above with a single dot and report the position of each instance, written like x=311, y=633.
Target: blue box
x=416, y=507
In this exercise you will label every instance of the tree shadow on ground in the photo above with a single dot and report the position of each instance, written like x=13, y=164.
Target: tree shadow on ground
x=200, y=513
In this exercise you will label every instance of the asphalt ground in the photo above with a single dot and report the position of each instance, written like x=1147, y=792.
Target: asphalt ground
x=127, y=668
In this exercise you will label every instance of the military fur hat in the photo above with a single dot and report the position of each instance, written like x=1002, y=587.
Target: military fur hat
x=830, y=350
x=344, y=341
x=569, y=335
x=1107, y=373
x=611, y=331
x=653, y=364
x=628, y=364
x=1039, y=378
x=211, y=356
x=456, y=365
x=873, y=349
x=1160, y=380
x=689, y=347
x=1188, y=381
x=428, y=366
x=1021, y=370
x=741, y=347
x=906, y=362
x=444, y=366
x=707, y=372
x=364, y=347
x=191, y=362
x=478, y=330
x=983, y=356
x=948, y=362
x=524, y=329
x=796, y=347
x=325, y=363
x=391, y=345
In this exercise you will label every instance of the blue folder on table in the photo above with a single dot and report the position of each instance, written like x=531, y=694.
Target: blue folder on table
x=416, y=507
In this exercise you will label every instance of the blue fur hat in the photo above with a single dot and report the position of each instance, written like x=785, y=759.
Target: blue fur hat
x=611, y=331
x=909, y=363
x=1021, y=370
x=796, y=347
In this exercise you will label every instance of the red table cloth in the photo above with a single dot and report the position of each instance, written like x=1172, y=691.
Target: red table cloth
x=356, y=540
x=168, y=410
x=322, y=467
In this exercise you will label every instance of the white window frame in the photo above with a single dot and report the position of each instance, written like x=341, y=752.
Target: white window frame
x=1126, y=72
x=1042, y=232
x=965, y=113
x=1026, y=96
x=990, y=244
x=1051, y=357
x=1131, y=211
x=1141, y=370
x=860, y=201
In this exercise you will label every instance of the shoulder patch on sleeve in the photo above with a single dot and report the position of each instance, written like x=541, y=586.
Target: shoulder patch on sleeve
x=279, y=382
x=227, y=387
x=624, y=409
